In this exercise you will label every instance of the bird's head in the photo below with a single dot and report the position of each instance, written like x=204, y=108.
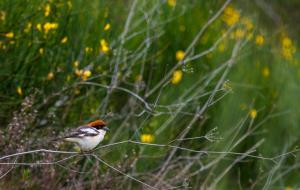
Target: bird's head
x=99, y=125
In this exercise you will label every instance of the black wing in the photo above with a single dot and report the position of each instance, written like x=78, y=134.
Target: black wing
x=83, y=131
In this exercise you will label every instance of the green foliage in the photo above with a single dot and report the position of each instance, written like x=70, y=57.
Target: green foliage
x=216, y=98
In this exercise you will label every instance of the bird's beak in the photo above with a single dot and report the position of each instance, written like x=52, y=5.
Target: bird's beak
x=105, y=128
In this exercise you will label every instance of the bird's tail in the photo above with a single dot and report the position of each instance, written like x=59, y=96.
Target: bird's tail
x=57, y=139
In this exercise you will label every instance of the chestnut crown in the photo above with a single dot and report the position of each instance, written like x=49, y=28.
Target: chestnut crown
x=98, y=124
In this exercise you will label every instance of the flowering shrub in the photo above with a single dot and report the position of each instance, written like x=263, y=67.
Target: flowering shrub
x=200, y=95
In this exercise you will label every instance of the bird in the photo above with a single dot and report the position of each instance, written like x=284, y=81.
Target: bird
x=88, y=136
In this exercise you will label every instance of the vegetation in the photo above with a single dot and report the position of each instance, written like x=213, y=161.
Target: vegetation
x=197, y=94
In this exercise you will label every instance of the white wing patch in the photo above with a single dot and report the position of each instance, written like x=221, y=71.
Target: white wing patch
x=87, y=142
x=88, y=131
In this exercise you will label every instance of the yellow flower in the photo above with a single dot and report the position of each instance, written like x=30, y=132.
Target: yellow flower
x=247, y=23
x=179, y=55
x=239, y=33
x=9, y=35
x=107, y=27
x=287, y=49
x=64, y=40
x=230, y=16
x=104, y=48
x=28, y=27
x=2, y=15
x=86, y=74
x=88, y=49
x=76, y=63
x=259, y=40
x=253, y=113
x=50, y=26
x=265, y=72
x=2, y=46
x=177, y=76
x=41, y=51
x=287, y=53
x=78, y=72
x=287, y=42
x=39, y=27
x=147, y=138
x=47, y=10
x=172, y=3
x=50, y=76
x=19, y=90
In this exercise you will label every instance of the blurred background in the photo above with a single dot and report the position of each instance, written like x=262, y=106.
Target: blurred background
x=203, y=94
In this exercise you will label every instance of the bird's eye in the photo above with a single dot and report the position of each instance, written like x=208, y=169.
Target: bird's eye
x=99, y=126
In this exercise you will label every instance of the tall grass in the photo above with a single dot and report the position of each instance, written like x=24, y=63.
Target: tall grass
x=197, y=95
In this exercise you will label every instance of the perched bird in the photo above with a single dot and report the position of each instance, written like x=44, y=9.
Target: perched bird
x=88, y=136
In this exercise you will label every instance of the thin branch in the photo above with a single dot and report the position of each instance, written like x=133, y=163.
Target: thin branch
x=147, y=106
x=37, y=151
x=108, y=165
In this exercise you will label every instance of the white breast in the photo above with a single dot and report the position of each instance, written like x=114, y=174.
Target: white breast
x=88, y=142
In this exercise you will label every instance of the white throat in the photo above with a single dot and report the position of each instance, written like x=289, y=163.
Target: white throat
x=101, y=133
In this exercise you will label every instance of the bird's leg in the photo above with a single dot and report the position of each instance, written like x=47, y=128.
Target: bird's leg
x=86, y=151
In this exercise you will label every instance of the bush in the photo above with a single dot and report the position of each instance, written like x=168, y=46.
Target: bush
x=197, y=95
